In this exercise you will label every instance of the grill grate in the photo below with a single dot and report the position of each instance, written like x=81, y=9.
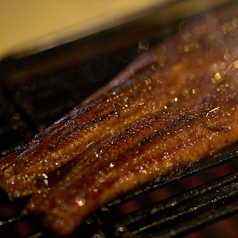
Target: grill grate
x=176, y=215
x=183, y=213
x=32, y=97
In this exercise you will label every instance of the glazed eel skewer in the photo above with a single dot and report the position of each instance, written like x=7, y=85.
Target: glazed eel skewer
x=173, y=106
x=144, y=91
x=147, y=86
x=143, y=151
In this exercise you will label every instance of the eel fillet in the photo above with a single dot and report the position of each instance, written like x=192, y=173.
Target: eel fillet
x=174, y=105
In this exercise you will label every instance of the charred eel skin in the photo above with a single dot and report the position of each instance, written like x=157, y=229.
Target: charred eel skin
x=176, y=138
x=130, y=96
x=174, y=105
x=148, y=85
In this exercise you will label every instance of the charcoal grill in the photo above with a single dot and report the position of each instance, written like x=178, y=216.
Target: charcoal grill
x=36, y=88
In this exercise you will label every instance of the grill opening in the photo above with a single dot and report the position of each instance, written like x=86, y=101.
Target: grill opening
x=32, y=97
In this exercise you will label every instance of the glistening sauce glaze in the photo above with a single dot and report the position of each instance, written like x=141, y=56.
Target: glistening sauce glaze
x=173, y=106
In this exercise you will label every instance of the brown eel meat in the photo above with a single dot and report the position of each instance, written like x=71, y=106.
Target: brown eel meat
x=174, y=105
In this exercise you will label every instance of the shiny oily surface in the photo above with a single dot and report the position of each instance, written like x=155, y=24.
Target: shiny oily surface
x=174, y=105
x=111, y=109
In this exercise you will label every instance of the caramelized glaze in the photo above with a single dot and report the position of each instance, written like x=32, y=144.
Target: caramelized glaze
x=174, y=105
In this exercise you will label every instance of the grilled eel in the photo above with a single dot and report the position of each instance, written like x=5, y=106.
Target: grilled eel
x=144, y=150
x=174, y=105
x=149, y=84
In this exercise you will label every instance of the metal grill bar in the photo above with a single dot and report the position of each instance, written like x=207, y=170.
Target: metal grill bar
x=13, y=219
x=36, y=235
x=185, y=212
